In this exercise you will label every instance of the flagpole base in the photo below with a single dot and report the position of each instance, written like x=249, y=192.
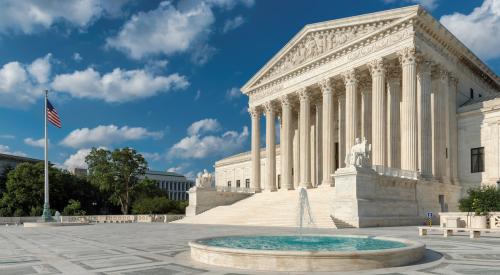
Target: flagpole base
x=46, y=216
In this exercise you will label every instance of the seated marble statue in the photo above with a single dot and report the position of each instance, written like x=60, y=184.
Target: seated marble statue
x=204, y=180
x=359, y=156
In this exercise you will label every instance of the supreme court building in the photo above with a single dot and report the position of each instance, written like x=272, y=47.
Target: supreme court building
x=429, y=107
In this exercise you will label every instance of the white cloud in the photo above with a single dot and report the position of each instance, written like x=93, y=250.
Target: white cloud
x=198, y=95
x=233, y=93
x=197, y=146
x=35, y=142
x=229, y=4
x=105, y=135
x=172, y=29
x=166, y=30
x=429, y=4
x=29, y=16
x=22, y=84
x=233, y=23
x=77, y=57
x=40, y=69
x=4, y=149
x=204, y=126
x=77, y=160
x=479, y=30
x=118, y=85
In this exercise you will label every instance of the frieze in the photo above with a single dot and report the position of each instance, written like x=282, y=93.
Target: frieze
x=317, y=43
x=389, y=37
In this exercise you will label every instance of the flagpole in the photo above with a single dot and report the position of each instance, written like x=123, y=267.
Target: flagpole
x=46, y=216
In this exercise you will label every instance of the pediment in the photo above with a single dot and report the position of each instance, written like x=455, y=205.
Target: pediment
x=316, y=40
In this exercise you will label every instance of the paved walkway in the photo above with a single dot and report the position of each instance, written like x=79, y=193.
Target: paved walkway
x=162, y=249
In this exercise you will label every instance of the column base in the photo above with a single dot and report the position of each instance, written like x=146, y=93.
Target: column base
x=326, y=184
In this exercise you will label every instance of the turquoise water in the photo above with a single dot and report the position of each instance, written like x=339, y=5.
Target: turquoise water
x=302, y=243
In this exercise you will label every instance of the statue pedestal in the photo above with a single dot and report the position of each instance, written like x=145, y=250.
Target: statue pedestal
x=354, y=188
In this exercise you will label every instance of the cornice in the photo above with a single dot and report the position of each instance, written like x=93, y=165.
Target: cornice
x=394, y=16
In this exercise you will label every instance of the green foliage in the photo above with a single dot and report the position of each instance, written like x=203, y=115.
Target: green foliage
x=73, y=208
x=481, y=200
x=116, y=173
x=158, y=205
x=24, y=191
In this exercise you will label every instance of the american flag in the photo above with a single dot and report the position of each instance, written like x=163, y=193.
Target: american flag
x=52, y=115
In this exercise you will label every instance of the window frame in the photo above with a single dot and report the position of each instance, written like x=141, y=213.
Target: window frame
x=476, y=153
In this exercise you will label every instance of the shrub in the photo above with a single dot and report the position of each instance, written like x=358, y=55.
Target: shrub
x=481, y=200
x=154, y=205
x=73, y=209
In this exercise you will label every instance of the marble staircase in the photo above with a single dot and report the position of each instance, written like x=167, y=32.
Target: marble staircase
x=270, y=209
x=339, y=224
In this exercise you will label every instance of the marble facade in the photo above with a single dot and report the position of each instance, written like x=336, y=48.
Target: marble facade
x=397, y=78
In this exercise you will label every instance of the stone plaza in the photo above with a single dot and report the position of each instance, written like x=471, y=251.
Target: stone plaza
x=161, y=248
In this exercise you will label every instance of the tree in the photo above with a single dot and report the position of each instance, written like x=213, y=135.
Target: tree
x=116, y=172
x=154, y=205
x=73, y=208
x=481, y=200
x=25, y=191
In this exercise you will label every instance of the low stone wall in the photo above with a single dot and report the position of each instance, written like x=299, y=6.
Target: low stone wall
x=201, y=200
x=98, y=219
x=464, y=219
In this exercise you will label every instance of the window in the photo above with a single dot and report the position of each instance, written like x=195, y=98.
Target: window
x=477, y=160
x=471, y=93
x=247, y=183
x=229, y=184
x=237, y=183
x=279, y=181
x=442, y=203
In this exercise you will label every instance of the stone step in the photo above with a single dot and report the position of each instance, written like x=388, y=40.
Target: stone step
x=270, y=209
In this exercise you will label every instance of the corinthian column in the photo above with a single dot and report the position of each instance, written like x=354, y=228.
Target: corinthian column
x=366, y=111
x=286, y=144
x=409, y=157
x=326, y=90
x=424, y=119
x=270, y=147
x=305, y=138
x=255, y=114
x=341, y=122
x=351, y=84
x=393, y=117
x=377, y=71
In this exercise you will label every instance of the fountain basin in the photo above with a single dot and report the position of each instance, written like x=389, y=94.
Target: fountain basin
x=306, y=253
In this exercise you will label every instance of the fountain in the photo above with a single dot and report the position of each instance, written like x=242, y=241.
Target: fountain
x=304, y=252
x=303, y=210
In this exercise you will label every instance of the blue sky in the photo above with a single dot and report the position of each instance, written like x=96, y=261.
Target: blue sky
x=163, y=77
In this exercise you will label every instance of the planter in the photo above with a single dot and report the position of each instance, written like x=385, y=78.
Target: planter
x=478, y=222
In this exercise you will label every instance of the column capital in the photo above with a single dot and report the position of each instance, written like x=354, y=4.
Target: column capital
x=269, y=107
x=285, y=101
x=325, y=85
x=393, y=72
x=453, y=79
x=254, y=111
x=377, y=67
x=303, y=94
x=350, y=77
x=408, y=56
x=425, y=65
x=442, y=74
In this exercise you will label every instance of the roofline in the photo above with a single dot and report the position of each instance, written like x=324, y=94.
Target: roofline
x=419, y=10
x=310, y=27
x=163, y=173
x=9, y=156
